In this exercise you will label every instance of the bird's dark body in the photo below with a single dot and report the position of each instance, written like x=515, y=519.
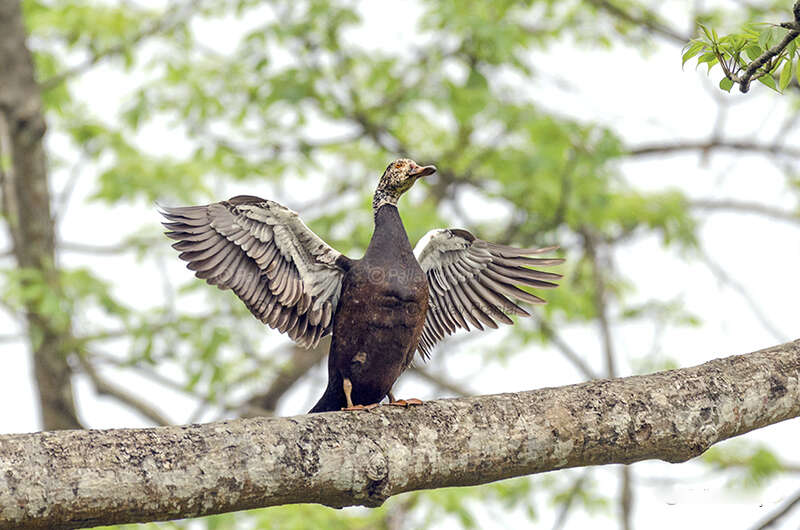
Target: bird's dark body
x=379, y=318
x=380, y=309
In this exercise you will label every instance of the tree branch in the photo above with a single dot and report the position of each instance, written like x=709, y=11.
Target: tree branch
x=565, y=349
x=726, y=279
x=752, y=70
x=104, y=388
x=747, y=207
x=705, y=146
x=438, y=381
x=649, y=20
x=785, y=509
x=78, y=478
x=568, y=503
x=600, y=301
x=301, y=361
x=626, y=498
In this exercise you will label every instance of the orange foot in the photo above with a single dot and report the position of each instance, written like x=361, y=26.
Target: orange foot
x=360, y=407
x=405, y=402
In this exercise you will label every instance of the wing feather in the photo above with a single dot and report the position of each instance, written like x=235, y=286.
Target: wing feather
x=284, y=273
x=475, y=283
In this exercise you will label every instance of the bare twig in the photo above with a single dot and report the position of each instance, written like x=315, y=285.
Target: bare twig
x=746, y=207
x=107, y=250
x=104, y=388
x=725, y=278
x=601, y=307
x=566, y=506
x=151, y=374
x=11, y=338
x=774, y=518
x=648, y=20
x=62, y=202
x=705, y=146
x=441, y=382
x=565, y=349
x=626, y=497
x=300, y=362
x=601, y=302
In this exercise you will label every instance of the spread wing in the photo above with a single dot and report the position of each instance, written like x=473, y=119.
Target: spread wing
x=473, y=282
x=287, y=276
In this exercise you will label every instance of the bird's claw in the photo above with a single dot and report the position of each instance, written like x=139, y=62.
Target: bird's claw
x=360, y=407
x=405, y=402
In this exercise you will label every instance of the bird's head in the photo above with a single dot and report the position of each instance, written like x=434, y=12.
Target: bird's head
x=398, y=178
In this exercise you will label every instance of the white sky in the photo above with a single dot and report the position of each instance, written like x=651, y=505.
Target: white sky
x=645, y=98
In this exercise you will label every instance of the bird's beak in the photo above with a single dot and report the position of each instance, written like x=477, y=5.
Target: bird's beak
x=422, y=171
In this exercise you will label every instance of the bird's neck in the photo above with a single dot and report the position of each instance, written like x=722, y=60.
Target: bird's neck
x=381, y=197
x=390, y=235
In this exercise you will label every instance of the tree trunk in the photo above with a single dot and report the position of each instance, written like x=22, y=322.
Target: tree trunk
x=26, y=205
x=75, y=479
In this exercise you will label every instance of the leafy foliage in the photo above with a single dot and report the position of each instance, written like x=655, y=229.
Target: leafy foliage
x=751, y=465
x=762, y=52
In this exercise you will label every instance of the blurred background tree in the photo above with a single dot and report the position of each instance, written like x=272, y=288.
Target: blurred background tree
x=655, y=195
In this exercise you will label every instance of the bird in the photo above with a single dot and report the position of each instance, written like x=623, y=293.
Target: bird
x=381, y=309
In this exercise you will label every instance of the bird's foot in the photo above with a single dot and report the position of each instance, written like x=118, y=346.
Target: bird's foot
x=405, y=402
x=360, y=407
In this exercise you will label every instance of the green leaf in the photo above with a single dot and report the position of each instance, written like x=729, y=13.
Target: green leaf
x=708, y=33
x=786, y=76
x=768, y=80
x=753, y=52
x=726, y=84
x=707, y=58
x=797, y=71
x=693, y=49
x=763, y=39
x=769, y=37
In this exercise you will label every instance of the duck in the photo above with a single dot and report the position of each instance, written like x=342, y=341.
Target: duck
x=381, y=310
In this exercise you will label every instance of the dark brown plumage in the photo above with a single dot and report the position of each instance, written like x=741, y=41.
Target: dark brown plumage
x=379, y=319
x=381, y=308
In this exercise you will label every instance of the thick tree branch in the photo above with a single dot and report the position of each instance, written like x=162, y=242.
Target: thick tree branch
x=77, y=478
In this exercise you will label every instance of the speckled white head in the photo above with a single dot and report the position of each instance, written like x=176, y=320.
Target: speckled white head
x=398, y=178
